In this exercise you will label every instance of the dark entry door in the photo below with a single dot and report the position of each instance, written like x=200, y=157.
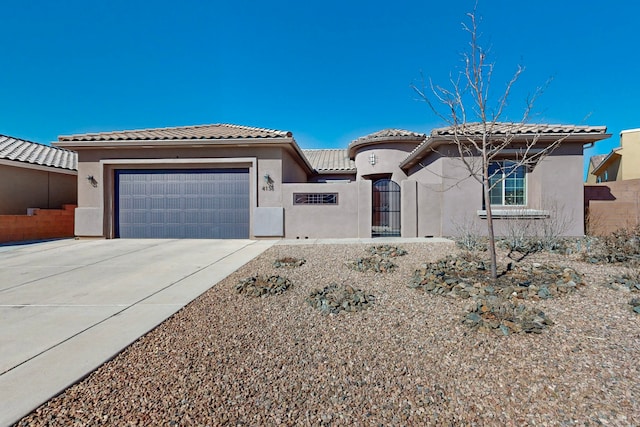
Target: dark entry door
x=193, y=204
x=386, y=208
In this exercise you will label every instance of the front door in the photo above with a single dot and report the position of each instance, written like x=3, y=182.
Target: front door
x=386, y=208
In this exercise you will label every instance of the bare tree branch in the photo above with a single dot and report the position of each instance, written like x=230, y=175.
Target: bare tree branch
x=489, y=138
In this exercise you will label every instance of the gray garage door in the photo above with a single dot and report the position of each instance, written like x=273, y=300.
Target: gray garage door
x=193, y=204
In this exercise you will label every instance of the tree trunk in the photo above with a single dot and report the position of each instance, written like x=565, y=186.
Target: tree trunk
x=487, y=201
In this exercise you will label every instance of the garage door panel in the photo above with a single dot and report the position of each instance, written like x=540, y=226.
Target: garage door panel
x=182, y=203
x=158, y=202
x=173, y=202
x=192, y=202
x=138, y=202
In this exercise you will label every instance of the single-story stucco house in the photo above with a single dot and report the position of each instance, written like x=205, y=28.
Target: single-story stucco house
x=230, y=181
x=35, y=175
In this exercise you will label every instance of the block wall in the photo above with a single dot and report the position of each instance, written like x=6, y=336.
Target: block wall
x=612, y=205
x=38, y=224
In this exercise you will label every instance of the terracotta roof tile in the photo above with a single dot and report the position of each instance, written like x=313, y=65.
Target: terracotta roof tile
x=214, y=131
x=597, y=159
x=385, y=135
x=330, y=160
x=517, y=128
x=592, y=133
x=390, y=133
x=38, y=154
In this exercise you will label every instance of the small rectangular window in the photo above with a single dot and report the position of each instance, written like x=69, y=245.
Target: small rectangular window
x=315, y=198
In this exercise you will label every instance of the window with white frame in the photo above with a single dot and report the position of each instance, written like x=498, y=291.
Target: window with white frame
x=508, y=182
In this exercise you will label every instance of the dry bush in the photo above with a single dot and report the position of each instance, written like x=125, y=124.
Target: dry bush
x=623, y=245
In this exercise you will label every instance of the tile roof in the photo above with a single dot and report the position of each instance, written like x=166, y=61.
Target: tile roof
x=596, y=160
x=608, y=158
x=591, y=133
x=518, y=128
x=330, y=160
x=389, y=134
x=385, y=135
x=213, y=131
x=38, y=154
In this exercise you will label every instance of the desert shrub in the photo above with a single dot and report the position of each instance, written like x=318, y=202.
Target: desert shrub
x=622, y=245
x=468, y=236
x=471, y=242
x=533, y=244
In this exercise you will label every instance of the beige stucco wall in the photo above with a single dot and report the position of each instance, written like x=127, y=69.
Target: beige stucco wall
x=613, y=171
x=291, y=169
x=26, y=187
x=388, y=158
x=429, y=210
x=630, y=142
x=323, y=221
x=447, y=208
x=623, y=163
x=409, y=208
x=95, y=213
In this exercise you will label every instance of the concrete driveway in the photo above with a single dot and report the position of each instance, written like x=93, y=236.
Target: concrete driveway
x=68, y=306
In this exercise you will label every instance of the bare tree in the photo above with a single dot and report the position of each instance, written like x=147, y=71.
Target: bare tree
x=478, y=126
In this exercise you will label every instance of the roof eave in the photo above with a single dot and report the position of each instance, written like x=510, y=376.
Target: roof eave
x=177, y=142
x=335, y=171
x=305, y=161
x=36, y=166
x=183, y=143
x=381, y=140
x=614, y=154
x=437, y=140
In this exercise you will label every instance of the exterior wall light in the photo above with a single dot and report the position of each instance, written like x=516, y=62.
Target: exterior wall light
x=372, y=159
x=92, y=181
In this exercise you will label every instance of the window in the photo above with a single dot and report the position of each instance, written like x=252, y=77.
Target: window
x=509, y=183
x=315, y=198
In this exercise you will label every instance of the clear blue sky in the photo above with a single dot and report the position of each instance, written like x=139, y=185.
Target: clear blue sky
x=329, y=71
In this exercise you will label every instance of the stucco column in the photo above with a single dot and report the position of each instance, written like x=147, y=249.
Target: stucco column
x=409, y=208
x=364, y=208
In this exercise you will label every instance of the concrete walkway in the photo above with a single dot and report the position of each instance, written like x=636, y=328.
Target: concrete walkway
x=68, y=306
x=367, y=241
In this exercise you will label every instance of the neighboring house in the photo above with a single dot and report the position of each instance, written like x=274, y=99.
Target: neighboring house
x=35, y=176
x=594, y=161
x=229, y=181
x=622, y=163
x=612, y=191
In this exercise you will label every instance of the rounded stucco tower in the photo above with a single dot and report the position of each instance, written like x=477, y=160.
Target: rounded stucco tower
x=378, y=155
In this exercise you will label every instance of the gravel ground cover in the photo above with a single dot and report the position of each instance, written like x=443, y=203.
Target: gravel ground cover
x=233, y=359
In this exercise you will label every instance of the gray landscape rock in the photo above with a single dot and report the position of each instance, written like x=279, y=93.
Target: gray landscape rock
x=335, y=298
x=263, y=286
